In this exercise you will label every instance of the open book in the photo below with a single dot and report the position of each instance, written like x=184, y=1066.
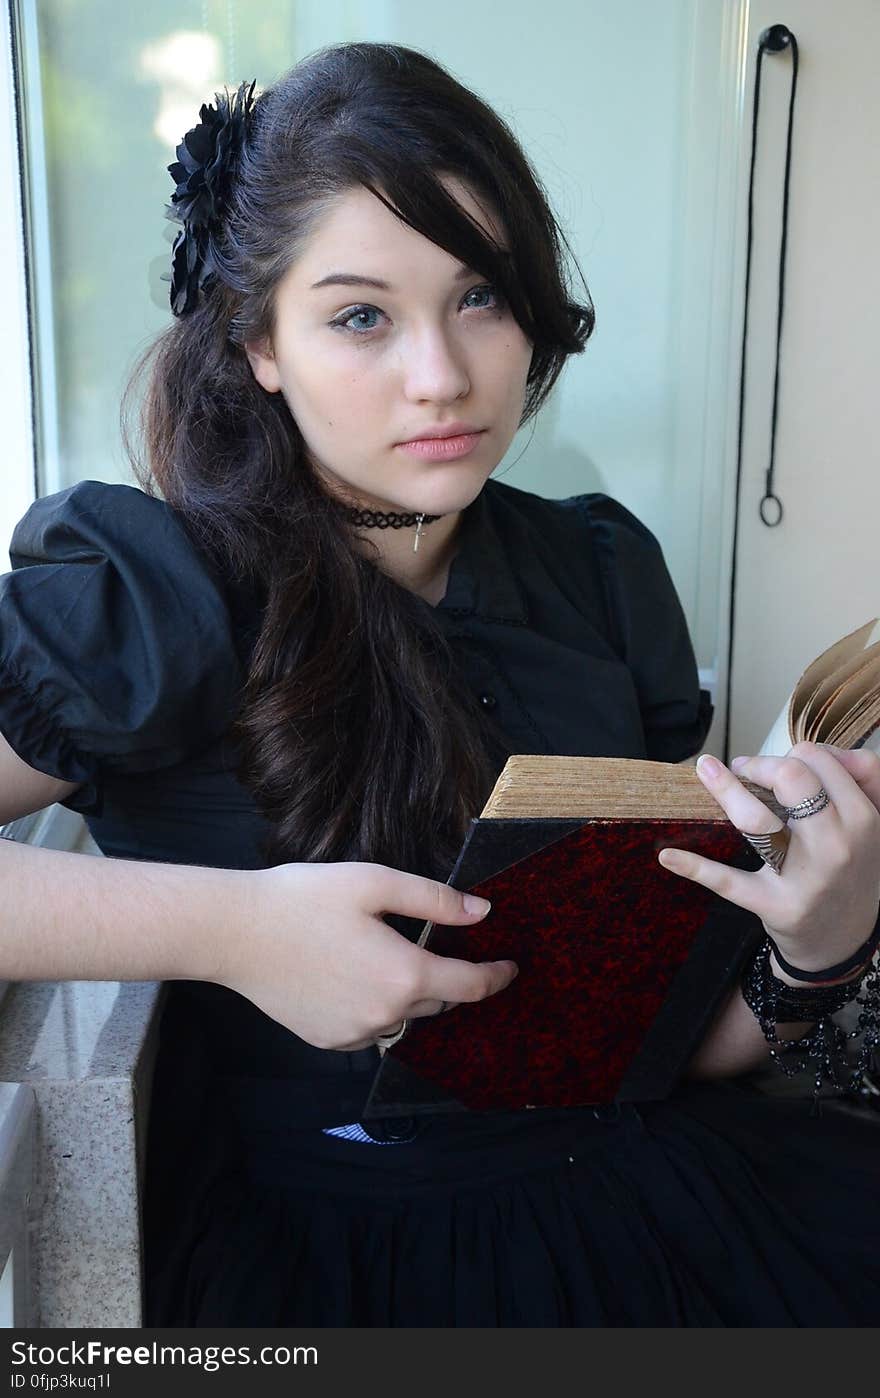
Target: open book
x=837, y=698
x=623, y=964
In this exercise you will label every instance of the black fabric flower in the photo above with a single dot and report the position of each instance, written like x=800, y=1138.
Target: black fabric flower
x=202, y=174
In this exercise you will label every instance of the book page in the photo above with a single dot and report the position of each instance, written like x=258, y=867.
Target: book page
x=604, y=788
x=826, y=674
x=779, y=739
x=850, y=702
x=823, y=682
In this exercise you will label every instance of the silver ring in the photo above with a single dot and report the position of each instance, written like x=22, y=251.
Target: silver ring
x=384, y=1041
x=772, y=847
x=811, y=806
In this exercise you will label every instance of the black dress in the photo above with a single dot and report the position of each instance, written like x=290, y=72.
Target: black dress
x=122, y=654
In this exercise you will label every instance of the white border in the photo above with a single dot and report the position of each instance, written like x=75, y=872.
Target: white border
x=24, y=232
x=706, y=428
x=42, y=310
x=17, y=489
x=728, y=297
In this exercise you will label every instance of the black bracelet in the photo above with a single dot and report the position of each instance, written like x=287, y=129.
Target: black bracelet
x=860, y=957
x=767, y=996
x=823, y=1051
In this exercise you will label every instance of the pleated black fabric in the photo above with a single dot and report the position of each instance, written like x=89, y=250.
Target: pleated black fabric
x=719, y=1207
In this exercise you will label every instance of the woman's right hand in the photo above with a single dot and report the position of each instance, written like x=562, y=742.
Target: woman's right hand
x=315, y=954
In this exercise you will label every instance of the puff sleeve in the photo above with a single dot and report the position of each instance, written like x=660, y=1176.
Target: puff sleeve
x=116, y=645
x=649, y=630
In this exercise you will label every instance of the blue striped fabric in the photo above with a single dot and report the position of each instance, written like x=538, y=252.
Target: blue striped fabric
x=355, y=1132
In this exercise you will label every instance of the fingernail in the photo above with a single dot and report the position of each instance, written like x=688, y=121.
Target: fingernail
x=708, y=766
x=738, y=761
x=670, y=859
x=476, y=905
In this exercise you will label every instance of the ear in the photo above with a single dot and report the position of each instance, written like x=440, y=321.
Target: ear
x=263, y=365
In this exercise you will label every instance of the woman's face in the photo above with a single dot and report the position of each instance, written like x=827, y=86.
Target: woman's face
x=366, y=368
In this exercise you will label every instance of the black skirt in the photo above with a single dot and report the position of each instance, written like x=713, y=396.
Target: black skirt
x=718, y=1207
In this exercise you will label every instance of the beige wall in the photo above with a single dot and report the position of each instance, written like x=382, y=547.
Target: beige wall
x=816, y=575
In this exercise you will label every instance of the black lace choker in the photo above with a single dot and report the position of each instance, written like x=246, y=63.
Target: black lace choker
x=389, y=519
x=386, y=519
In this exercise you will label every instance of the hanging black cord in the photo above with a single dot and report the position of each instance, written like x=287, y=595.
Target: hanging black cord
x=768, y=486
x=772, y=40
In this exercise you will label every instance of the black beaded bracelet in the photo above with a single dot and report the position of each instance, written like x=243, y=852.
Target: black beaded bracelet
x=860, y=957
x=793, y=1005
x=823, y=1050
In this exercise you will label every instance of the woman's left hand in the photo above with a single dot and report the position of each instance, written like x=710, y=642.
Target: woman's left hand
x=823, y=904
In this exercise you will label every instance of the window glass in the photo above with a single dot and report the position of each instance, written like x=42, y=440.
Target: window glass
x=629, y=113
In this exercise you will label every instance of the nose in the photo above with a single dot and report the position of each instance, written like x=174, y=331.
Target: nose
x=435, y=368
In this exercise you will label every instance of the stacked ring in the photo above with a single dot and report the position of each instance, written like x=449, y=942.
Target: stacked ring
x=773, y=846
x=811, y=806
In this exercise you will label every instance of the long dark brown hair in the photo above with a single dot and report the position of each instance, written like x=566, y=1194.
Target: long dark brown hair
x=355, y=741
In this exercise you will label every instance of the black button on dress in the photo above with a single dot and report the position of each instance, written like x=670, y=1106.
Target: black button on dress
x=122, y=655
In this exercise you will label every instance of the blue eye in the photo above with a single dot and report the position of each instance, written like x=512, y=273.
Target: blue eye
x=487, y=290
x=356, y=321
x=356, y=313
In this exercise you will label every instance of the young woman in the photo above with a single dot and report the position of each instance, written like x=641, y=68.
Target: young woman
x=279, y=681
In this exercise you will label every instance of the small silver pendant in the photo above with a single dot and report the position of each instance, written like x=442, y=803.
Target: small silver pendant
x=418, y=534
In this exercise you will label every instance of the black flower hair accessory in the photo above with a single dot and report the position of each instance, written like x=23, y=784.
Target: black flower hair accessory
x=202, y=173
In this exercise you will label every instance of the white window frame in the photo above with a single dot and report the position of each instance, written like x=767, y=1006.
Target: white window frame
x=22, y=209
x=16, y=381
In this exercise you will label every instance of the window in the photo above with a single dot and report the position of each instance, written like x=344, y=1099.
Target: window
x=631, y=115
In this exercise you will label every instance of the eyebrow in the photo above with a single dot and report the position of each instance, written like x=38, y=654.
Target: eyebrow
x=355, y=279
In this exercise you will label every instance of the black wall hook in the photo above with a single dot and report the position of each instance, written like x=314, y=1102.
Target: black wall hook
x=776, y=38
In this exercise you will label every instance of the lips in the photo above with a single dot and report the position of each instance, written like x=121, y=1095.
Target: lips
x=441, y=433
x=442, y=448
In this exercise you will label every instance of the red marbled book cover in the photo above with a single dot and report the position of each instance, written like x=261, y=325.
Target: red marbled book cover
x=622, y=967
